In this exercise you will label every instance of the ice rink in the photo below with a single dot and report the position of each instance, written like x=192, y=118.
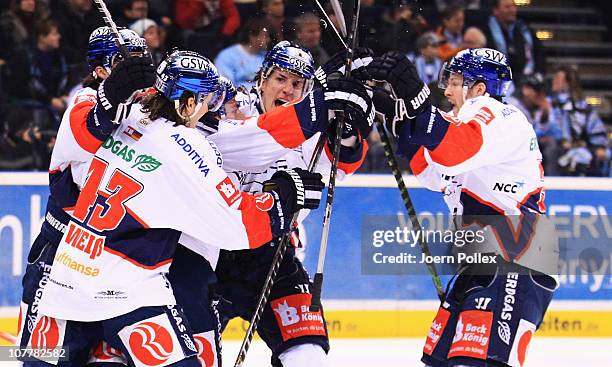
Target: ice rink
x=544, y=352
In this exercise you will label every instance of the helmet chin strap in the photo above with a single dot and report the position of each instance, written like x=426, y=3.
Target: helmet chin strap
x=177, y=107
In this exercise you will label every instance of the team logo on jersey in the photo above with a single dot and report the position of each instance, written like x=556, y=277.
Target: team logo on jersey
x=436, y=330
x=472, y=334
x=146, y=163
x=46, y=334
x=151, y=343
x=228, y=191
x=524, y=333
x=294, y=317
x=510, y=188
x=207, y=355
x=509, y=297
x=84, y=240
x=503, y=331
x=264, y=201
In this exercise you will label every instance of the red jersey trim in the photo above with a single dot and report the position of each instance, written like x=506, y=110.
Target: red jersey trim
x=418, y=164
x=460, y=143
x=134, y=262
x=256, y=222
x=78, y=125
x=283, y=125
x=347, y=167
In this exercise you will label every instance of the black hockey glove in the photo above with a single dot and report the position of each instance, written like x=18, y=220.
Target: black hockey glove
x=297, y=188
x=391, y=110
x=349, y=95
x=129, y=76
x=335, y=66
x=395, y=68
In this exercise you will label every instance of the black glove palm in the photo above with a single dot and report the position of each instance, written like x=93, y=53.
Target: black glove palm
x=129, y=76
x=350, y=96
x=395, y=68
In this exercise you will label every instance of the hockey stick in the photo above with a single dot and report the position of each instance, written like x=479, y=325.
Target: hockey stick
x=276, y=262
x=401, y=185
x=329, y=25
x=315, y=303
x=106, y=16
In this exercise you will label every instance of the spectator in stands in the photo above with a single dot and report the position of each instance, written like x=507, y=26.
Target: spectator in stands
x=240, y=62
x=38, y=84
x=451, y=31
x=581, y=128
x=148, y=29
x=131, y=11
x=399, y=30
x=510, y=35
x=308, y=35
x=76, y=20
x=428, y=62
x=474, y=38
x=274, y=13
x=17, y=26
x=214, y=16
x=328, y=41
x=532, y=100
x=442, y=5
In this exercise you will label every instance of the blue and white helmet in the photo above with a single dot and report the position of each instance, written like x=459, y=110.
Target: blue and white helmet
x=230, y=88
x=292, y=58
x=102, y=48
x=188, y=71
x=479, y=64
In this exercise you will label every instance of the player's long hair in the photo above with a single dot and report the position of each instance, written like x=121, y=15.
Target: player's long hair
x=158, y=106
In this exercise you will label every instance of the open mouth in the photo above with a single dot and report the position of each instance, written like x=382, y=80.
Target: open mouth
x=279, y=102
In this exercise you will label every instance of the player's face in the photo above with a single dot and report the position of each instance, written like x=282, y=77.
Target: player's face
x=454, y=91
x=232, y=111
x=279, y=88
x=194, y=111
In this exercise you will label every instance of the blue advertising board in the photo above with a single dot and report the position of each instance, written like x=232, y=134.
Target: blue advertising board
x=23, y=199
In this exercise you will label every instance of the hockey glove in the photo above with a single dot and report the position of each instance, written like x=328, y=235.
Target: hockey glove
x=129, y=76
x=336, y=65
x=298, y=188
x=391, y=110
x=350, y=96
x=395, y=68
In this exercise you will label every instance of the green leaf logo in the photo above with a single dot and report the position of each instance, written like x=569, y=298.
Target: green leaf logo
x=146, y=163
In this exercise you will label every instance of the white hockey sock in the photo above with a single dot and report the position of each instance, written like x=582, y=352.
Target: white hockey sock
x=304, y=355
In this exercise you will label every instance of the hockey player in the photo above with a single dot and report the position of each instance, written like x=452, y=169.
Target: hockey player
x=78, y=139
x=296, y=336
x=484, y=157
x=115, y=236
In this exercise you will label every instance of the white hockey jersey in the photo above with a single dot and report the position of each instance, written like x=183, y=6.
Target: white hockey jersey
x=252, y=180
x=149, y=182
x=486, y=162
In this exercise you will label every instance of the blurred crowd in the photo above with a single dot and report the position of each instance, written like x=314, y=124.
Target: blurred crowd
x=43, y=45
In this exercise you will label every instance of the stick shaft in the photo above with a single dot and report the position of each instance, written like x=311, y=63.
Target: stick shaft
x=401, y=185
x=271, y=277
x=106, y=16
